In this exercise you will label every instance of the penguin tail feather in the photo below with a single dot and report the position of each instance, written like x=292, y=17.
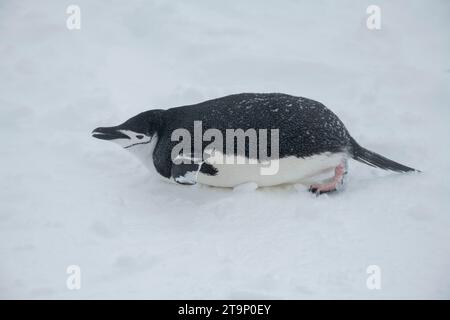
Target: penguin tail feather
x=375, y=160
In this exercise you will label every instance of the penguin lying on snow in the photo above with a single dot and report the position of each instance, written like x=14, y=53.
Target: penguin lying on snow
x=311, y=140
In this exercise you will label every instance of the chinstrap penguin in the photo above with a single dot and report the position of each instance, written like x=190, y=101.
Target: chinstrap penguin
x=311, y=140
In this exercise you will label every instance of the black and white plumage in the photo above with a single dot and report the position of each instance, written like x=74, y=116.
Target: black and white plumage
x=312, y=140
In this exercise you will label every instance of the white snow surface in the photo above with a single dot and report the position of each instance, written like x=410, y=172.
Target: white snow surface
x=68, y=199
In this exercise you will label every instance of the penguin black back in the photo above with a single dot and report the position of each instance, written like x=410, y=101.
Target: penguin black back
x=306, y=126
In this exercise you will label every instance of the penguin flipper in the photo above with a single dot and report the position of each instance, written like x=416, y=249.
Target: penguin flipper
x=185, y=173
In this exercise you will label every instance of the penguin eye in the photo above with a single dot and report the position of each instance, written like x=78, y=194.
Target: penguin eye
x=139, y=136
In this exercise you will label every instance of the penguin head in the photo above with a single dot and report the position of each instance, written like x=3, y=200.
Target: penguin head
x=136, y=131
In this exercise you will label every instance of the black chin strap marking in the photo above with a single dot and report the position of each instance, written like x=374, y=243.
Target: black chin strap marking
x=135, y=144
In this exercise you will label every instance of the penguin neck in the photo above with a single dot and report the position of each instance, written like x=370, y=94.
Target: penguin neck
x=144, y=152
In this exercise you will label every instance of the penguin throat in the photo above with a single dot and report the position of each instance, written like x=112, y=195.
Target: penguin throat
x=144, y=151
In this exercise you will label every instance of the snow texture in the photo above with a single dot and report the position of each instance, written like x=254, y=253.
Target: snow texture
x=68, y=199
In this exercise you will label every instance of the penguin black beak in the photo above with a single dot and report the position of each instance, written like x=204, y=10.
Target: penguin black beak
x=108, y=133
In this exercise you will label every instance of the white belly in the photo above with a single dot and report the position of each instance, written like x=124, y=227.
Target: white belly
x=290, y=170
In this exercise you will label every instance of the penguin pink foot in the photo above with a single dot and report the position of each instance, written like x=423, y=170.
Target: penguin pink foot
x=334, y=184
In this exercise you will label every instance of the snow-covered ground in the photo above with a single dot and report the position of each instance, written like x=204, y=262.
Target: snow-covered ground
x=68, y=199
